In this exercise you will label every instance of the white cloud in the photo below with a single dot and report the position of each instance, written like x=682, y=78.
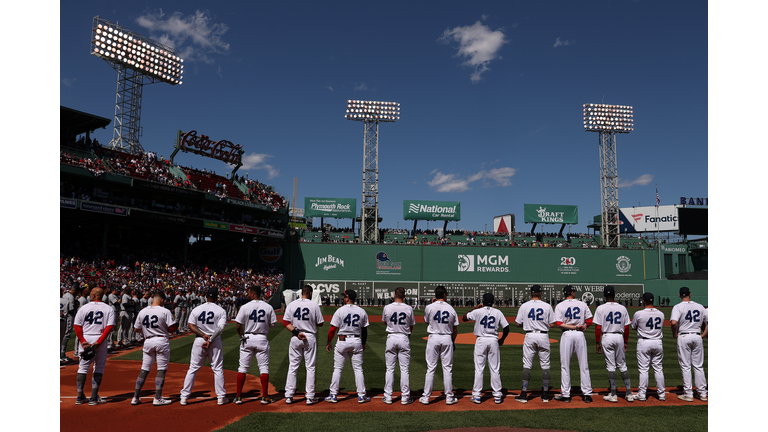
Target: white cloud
x=194, y=36
x=478, y=45
x=68, y=82
x=257, y=161
x=484, y=17
x=640, y=181
x=452, y=183
x=361, y=87
x=329, y=88
x=559, y=42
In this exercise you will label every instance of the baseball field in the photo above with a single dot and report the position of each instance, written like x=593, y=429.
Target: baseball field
x=203, y=414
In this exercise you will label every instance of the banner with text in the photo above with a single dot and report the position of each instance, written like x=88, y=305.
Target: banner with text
x=431, y=210
x=554, y=214
x=644, y=219
x=342, y=208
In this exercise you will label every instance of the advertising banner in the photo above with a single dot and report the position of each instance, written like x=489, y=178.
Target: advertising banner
x=504, y=224
x=342, y=208
x=431, y=210
x=548, y=213
x=644, y=219
x=103, y=208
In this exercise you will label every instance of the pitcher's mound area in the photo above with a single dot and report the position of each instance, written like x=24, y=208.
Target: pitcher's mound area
x=499, y=429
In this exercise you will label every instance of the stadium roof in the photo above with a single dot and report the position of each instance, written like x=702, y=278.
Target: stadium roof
x=77, y=122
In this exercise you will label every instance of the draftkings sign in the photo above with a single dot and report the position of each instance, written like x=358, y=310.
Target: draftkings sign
x=554, y=214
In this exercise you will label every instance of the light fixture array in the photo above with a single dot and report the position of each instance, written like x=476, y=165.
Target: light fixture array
x=361, y=110
x=608, y=118
x=116, y=44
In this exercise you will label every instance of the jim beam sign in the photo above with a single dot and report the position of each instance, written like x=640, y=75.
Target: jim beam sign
x=202, y=145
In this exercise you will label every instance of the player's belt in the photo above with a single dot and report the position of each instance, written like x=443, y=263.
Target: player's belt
x=643, y=337
x=536, y=331
x=344, y=337
x=613, y=332
x=690, y=333
x=150, y=337
x=306, y=332
x=254, y=333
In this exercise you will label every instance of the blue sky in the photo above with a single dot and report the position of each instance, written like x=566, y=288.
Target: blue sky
x=491, y=95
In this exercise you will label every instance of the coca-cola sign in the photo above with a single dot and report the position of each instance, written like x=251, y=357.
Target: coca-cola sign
x=222, y=150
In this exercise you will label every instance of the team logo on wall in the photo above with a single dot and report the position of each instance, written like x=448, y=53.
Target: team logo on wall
x=588, y=298
x=622, y=264
x=466, y=263
x=270, y=252
x=384, y=263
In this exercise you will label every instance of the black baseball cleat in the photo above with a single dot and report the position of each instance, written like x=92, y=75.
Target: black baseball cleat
x=522, y=397
x=587, y=399
x=561, y=398
x=545, y=398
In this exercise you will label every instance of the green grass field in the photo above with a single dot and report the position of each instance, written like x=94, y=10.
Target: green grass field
x=597, y=419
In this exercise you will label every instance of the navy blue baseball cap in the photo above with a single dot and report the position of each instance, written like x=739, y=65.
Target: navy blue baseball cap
x=567, y=289
x=609, y=291
x=212, y=292
x=488, y=299
x=648, y=297
x=351, y=294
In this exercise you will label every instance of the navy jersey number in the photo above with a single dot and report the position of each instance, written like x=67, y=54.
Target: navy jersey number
x=352, y=320
x=150, y=323
x=398, y=319
x=442, y=318
x=94, y=318
x=258, y=315
x=488, y=322
x=693, y=317
x=536, y=314
x=613, y=317
x=573, y=314
x=206, y=320
x=301, y=314
x=654, y=324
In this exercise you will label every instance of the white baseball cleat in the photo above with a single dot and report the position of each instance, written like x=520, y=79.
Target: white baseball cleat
x=135, y=401
x=629, y=397
x=424, y=400
x=640, y=398
x=387, y=400
x=223, y=401
x=611, y=398
x=183, y=401
x=450, y=400
x=289, y=400
x=161, y=401
x=685, y=398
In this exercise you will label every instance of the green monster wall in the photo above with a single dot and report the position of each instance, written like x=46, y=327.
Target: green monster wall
x=376, y=270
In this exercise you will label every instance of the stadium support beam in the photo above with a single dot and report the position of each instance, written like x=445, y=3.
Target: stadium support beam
x=609, y=190
x=369, y=227
x=125, y=136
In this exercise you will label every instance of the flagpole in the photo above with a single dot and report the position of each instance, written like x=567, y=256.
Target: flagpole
x=657, y=227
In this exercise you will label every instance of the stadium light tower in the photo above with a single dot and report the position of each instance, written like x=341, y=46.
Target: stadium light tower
x=607, y=121
x=138, y=60
x=371, y=113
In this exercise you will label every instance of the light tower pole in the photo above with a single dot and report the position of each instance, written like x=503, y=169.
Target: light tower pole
x=607, y=121
x=371, y=113
x=137, y=60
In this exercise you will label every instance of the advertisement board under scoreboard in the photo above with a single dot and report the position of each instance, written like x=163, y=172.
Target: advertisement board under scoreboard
x=645, y=219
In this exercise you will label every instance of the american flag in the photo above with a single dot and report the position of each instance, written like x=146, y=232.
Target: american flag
x=657, y=196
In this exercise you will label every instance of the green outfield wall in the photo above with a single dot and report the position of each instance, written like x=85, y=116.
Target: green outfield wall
x=376, y=270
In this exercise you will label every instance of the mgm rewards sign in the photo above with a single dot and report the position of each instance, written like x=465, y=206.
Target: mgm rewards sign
x=431, y=210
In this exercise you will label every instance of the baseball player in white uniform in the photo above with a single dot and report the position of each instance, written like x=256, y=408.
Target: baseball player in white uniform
x=441, y=320
x=689, y=320
x=180, y=301
x=487, y=321
x=302, y=318
x=155, y=323
x=399, y=319
x=93, y=322
x=253, y=322
x=573, y=317
x=352, y=324
x=612, y=336
x=536, y=318
x=207, y=321
x=649, y=322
